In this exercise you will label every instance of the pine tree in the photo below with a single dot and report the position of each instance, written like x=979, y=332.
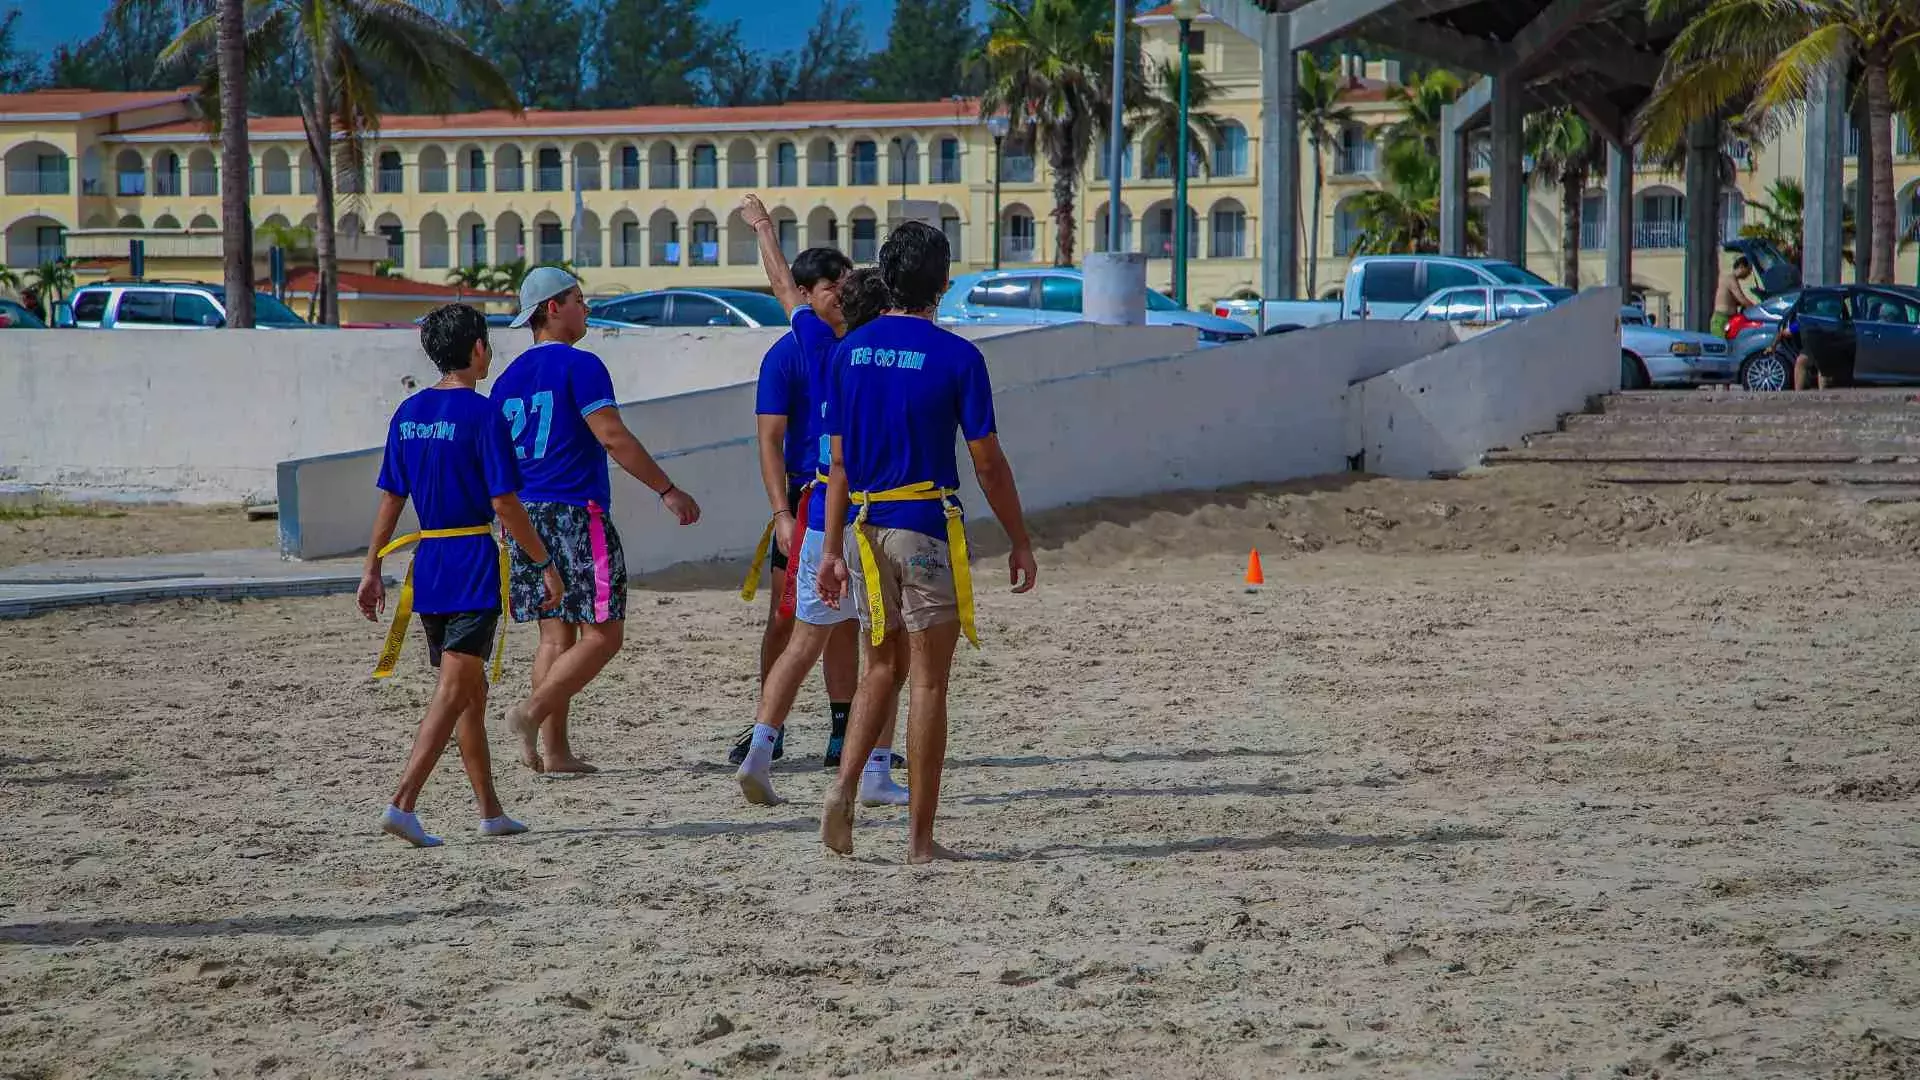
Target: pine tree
x=926, y=57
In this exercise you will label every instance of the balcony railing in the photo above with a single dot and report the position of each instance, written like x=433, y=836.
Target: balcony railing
x=706, y=175
x=664, y=176
x=548, y=178
x=510, y=178
x=130, y=184
x=586, y=175
x=1353, y=160
x=823, y=173
x=1017, y=169
x=390, y=181
x=865, y=173
x=946, y=170
x=1593, y=236
x=41, y=254
x=433, y=178
x=784, y=174
x=1017, y=249
x=1659, y=234
x=628, y=177
x=706, y=253
x=36, y=182
x=203, y=182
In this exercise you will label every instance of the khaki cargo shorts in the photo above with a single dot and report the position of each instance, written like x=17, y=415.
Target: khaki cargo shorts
x=916, y=579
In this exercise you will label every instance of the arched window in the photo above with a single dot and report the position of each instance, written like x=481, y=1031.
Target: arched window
x=433, y=170
x=1017, y=234
x=706, y=166
x=1101, y=226
x=1660, y=219
x=1346, y=227
x=903, y=161
x=785, y=166
x=1228, y=237
x=1593, y=221
x=864, y=163
x=1230, y=152
x=946, y=162
x=743, y=165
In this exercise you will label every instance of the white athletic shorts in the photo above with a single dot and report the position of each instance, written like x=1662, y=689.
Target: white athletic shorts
x=807, y=605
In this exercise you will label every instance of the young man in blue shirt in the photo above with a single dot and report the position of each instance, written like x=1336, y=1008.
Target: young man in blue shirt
x=558, y=403
x=903, y=388
x=448, y=451
x=789, y=457
x=819, y=626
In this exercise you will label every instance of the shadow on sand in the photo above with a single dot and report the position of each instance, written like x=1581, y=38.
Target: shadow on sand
x=104, y=930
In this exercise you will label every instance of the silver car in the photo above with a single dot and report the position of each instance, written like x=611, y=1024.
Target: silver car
x=1053, y=295
x=165, y=305
x=1649, y=355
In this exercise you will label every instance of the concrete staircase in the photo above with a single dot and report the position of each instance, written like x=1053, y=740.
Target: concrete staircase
x=1729, y=436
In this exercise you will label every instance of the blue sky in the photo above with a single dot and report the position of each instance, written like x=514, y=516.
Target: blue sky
x=43, y=26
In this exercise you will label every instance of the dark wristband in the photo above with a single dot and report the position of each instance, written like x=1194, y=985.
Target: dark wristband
x=671, y=488
x=541, y=566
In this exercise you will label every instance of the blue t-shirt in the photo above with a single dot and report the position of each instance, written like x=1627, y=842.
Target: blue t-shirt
x=546, y=395
x=788, y=388
x=903, y=388
x=448, y=451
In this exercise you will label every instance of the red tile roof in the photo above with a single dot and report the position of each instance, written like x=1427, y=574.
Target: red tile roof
x=79, y=103
x=372, y=287
x=690, y=117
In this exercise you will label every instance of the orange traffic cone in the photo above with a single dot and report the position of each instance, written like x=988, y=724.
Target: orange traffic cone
x=1255, y=576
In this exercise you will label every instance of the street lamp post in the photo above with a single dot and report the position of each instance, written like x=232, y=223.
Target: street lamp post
x=1185, y=11
x=997, y=127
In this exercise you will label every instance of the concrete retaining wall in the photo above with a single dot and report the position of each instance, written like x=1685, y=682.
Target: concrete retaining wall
x=204, y=417
x=327, y=501
x=1269, y=409
x=1442, y=413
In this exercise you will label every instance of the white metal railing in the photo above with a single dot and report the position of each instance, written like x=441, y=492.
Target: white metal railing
x=1659, y=234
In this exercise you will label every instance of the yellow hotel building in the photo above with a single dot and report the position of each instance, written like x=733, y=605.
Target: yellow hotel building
x=644, y=198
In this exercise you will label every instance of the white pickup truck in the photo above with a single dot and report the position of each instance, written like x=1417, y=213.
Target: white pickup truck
x=1381, y=287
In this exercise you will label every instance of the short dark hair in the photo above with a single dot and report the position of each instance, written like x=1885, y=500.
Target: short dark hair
x=818, y=264
x=863, y=297
x=1741, y=263
x=914, y=263
x=448, y=334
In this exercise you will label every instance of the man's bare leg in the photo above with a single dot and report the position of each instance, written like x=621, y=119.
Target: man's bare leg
x=1802, y=373
x=930, y=670
x=478, y=761
x=886, y=669
x=773, y=640
x=556, y=637
x=546, y=708
x=462, y=685
x=778, y=687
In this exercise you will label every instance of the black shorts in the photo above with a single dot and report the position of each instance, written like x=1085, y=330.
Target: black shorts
x=794, y=488
x=469, y=633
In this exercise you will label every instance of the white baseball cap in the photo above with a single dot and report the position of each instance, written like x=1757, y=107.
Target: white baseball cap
x=542, y=284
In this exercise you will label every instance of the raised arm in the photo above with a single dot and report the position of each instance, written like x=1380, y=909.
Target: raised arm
x=772, y=259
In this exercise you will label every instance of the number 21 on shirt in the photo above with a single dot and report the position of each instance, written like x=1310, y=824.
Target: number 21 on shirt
x=516, y=412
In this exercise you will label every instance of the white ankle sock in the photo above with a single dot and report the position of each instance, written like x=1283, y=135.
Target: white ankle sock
x=500, y=826
x=760, y=750
x=406, y=825
x=881, y=760
x=878, y=789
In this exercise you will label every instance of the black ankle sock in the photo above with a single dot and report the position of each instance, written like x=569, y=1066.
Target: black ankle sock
x=840, y=711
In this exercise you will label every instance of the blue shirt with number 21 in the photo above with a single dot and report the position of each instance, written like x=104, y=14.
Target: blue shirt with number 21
x=546, y=395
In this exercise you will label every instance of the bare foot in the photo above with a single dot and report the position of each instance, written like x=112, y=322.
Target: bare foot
x=567, y=763
x=527, y=726
x=938, y=852
x=836, y=822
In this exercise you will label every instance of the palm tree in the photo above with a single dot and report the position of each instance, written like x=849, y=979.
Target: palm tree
x=1731, y=47
x=1157, y=115
x=344, y=50
x=1782, y=220
x=1403, y=216
x=52, y=279
x=9, y=279
x=1420, y=103
x=236, y=217
x=1322, y=117
x=1047, y=67
x=478, y=277
x=1566, y=151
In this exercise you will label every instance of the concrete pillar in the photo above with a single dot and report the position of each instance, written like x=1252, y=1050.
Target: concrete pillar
x=1279, y=162
x=1454, y=158
x=1825, y=179
x=1620, y=219
x=1703, y=221
x=1116, y=289
x=1507, y=209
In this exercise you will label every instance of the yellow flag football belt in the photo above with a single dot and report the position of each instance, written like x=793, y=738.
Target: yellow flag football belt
x=925, y=491
x=403, y=609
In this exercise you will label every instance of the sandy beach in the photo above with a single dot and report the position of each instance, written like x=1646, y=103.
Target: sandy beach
x=1502, y=777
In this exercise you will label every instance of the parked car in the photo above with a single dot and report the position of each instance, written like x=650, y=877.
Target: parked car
x=688, y=307
x=14, y=316
x=1876, y=326
x=1384, y=287
x=164, y=305
x=1649, y=355
x=1054, y=295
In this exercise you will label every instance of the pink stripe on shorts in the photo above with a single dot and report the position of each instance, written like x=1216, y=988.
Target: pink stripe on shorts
x=602, y=572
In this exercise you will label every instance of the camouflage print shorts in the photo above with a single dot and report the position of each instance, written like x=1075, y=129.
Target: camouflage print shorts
x=586, y=551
